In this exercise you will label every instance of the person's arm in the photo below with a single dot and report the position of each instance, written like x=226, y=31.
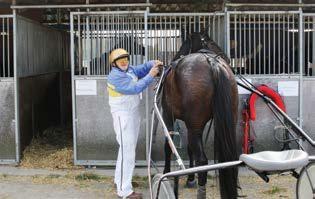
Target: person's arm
x=124, y=85
x=143, y=69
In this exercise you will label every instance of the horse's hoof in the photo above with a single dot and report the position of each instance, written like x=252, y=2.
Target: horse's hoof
x=191, y=184
x=201, y=194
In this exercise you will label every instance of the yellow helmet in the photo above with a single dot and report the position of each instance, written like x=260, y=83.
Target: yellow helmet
x=117, y=54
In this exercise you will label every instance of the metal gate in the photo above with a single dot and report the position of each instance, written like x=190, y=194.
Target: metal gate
x=8, y=134
x=93, y=36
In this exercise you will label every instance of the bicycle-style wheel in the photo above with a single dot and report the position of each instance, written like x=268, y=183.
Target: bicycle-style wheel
x=305, y=186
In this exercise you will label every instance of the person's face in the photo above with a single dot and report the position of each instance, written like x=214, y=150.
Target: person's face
x=122, y=63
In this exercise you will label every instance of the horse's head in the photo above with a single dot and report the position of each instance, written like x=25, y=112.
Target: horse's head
x=197, y=41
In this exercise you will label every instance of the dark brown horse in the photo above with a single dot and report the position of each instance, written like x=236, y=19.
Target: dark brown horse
x=202, y=87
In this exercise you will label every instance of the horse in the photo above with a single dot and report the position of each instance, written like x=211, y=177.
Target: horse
x=202, y=87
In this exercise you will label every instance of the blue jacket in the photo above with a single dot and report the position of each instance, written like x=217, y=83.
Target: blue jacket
x=122, y=82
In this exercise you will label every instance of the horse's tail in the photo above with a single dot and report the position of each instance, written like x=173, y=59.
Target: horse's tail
x=225, y=131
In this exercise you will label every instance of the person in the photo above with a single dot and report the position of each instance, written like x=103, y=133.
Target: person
x=124, y=85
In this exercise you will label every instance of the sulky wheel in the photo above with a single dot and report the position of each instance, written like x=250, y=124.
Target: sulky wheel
x=305, y=187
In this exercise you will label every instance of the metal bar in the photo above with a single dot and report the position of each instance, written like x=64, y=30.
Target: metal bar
x=279, y=55
x=6, y=16
x=274, y=44
x=269, y=39
x=74, y=119
x=259, y=52
x=8, y=48
x=255, y=46
x=288, y=43
x=236, y=43
x=3, y=47
x=240, y=42
x=147, y=127
x=16, y=88
x=79, y=44
x=81, y=6
x=245, y=45
x=307, y=44
x=269, y=5
x=98, y=40
x=264, y=12
x=197, y=170
x=264, y=52
x=301, y=63
x=103, y=44
x=250, y=50
x=283, y=44
x=313, y=44
x=184, y=14
x=213, y=26
x=227, y=34
x=293, y=34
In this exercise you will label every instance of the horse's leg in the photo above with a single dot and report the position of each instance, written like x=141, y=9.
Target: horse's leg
x=191, y=182
x=195, y=143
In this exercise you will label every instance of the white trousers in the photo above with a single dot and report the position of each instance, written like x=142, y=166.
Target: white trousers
x=126, y=126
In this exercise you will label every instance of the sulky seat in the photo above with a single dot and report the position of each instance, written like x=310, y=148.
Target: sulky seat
x=275, y=160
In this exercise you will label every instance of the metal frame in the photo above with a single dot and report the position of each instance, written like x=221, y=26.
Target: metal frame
x=227, y=16
x=81, y=6
x=16, y=100
x=77, y=77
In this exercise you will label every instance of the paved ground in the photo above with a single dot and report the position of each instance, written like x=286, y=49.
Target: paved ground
x=19, y=183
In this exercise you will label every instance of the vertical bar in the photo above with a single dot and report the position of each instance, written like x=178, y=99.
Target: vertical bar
x=283, y=44
x=245, y=44
x=236, y=43
x=227, y=33
x=98, y=45
x=274, y=44
x=74, y=120
x=259, y=52
x=16, y=88
x=219, y=30
x=269, y=39
x=293, y=34
x=147, y=90
x=255, y=46
x=3, y=47
x=185, y=32
x=213, y=26
x=313, y=44
x=308, y=44
x=103, y=51
x=288, y=43
x=279, y=55
x=79, y=44
x=301, y=63
x=250, y=50
x=264, y=52
x=175, y=37
x=8, y=46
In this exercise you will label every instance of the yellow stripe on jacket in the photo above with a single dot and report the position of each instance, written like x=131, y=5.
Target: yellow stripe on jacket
x=112, y=92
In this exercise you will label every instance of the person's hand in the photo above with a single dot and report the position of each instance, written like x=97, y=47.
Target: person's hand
x=158, y=63
x=154, y=70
